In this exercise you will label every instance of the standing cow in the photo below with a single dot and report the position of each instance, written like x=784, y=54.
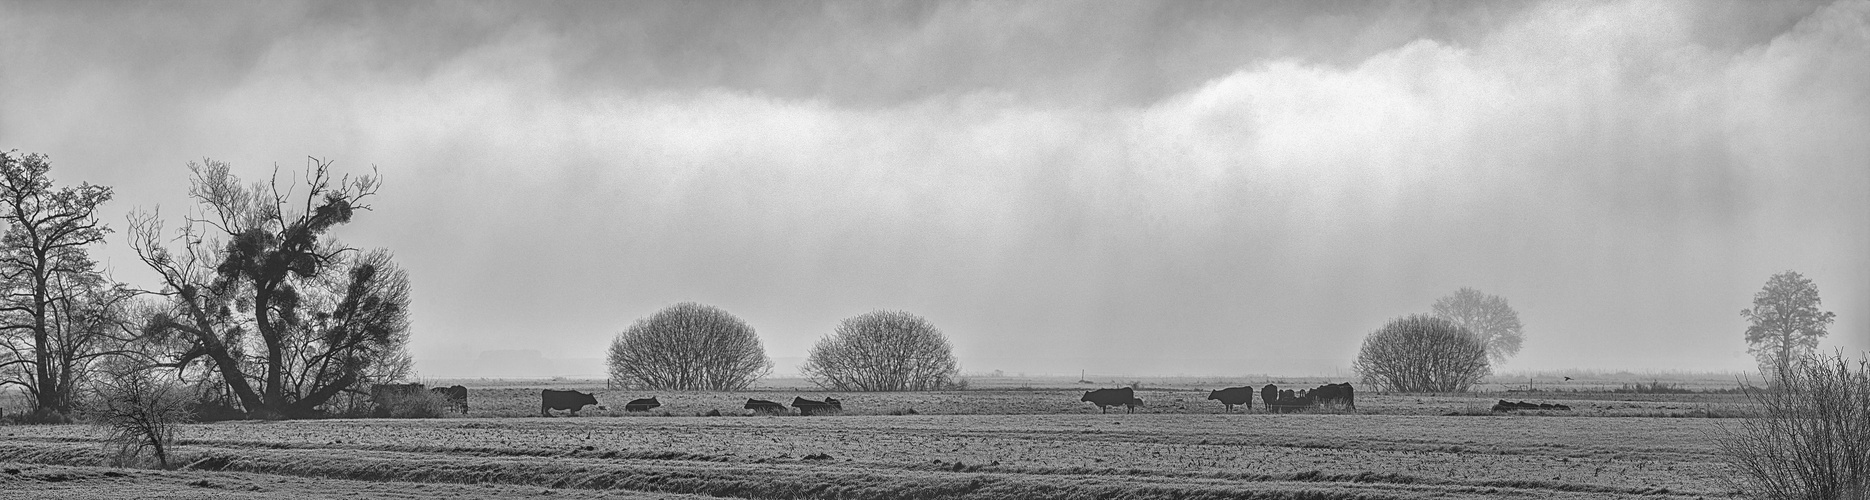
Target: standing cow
x=1233, y=396
x=1336, y=394
x=563, y=400
x=1269, y=395
x=1106, y=398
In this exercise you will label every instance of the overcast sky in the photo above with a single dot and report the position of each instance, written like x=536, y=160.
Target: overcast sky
x=1124, y=187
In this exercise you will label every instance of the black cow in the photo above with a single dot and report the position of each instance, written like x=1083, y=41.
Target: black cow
x=1290, y=402
x=764, y=406
x=563, y=400
x=1504, y=406
x=1232, y=396
x=808, y=407
x=1106, y=398
x=1269, y=395
x=1336, y=394
x=456, y=396
x=834, y=403
x=641, y=404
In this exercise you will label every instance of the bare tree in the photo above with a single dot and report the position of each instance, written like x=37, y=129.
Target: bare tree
x=1813, y=437
x=1488, y=317
x=883, y=351
x=1786, y=320
x=688, y=346
x=285, y=315
x=51, y=287
x=139, y=411
x=1422, y=353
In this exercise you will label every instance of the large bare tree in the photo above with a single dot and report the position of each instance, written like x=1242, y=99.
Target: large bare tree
x=883, y=351
x=1787, y=322
x=288, y=316
x=54, y=304
x=1487, y=317
x=1422, y=353
x=688, y=346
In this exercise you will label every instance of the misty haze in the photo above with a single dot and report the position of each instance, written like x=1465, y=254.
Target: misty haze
x=320, y=211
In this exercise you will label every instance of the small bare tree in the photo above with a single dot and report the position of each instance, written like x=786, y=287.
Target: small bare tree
x=139, y=412
x=1422, y=353
x=883, y=351
x=1813, y=437
x=688, y=346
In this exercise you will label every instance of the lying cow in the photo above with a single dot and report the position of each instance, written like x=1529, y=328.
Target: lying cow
x=564, y=400
x=761, y=406
x=808, y=407
x=642, y=404
x=1106, y=398
x=1504, y=406
x=1233, y=396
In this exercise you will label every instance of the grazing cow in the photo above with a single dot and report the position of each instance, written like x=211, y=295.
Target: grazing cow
x=808, y=407
x=641, y=404
x=834, y=403
x=1289, y=402
x=1269, y=395
x=456, y=396
x=384, y=396
x=1233, y=396
x=1336, y=394
x=563, y=400
x=764, y=406
x=1106, y=398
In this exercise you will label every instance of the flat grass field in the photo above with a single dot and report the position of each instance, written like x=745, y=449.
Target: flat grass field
x=992, y=442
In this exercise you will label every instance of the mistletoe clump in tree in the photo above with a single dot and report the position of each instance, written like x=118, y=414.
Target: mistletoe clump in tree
x=261, y=295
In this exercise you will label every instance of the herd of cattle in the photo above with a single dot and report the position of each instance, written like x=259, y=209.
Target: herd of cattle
x=1275, y=400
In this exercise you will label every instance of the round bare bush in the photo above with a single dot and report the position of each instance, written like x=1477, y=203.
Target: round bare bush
x=138, y=412
x=883, y=351
x=688, y=346
x=1422, y=353
x=1812, y=439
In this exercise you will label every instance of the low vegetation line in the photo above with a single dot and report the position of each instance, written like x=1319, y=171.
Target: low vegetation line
x=804, y=480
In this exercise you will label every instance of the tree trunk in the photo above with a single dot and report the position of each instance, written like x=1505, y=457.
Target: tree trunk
x=273, y=390
x=51, y=396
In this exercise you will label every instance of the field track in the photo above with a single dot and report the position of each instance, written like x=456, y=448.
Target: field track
x=927, y=456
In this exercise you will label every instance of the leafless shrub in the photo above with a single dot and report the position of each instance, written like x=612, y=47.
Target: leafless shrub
x=1421, y=353
x=138, y=412
x=1813, y=440
x=883, y=351
x=417, y=404
x=688, y=346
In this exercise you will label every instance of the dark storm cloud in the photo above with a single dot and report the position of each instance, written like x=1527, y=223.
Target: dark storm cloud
x=1183, y=187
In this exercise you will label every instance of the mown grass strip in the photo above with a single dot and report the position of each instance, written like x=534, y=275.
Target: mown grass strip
x=793, y=481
